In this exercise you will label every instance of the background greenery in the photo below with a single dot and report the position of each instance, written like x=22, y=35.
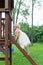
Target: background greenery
x=36, y=52
x=36, y=31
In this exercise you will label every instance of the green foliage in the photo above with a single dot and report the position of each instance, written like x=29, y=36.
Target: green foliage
x=18, y=9
x=36, y=32
x=25, y=12
x=40, y=33
x=24, y=27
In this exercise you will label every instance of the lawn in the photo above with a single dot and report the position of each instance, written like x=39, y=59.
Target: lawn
x=36, y=52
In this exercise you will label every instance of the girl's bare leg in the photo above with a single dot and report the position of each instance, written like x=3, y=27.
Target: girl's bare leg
x=27, y=50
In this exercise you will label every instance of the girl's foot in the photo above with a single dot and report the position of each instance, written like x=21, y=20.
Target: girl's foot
x=28, y=53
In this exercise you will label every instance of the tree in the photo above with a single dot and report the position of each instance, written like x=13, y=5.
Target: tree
x=18, y=10
x=33, y=3
x=25, y=12
x=20, y=2
x=24, y=27
x=40, y=34
x=15, y=12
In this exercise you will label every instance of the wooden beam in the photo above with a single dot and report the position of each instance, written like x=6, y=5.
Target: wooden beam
x=3, y=9
x=2, y=58
x=2, y=42
x=2, y=50
x=10, y=40
x=10, y=54
x=6, y=36
x=6, y=4
x=24, y=53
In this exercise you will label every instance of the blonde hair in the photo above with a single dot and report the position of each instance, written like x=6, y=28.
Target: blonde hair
x=17, y=25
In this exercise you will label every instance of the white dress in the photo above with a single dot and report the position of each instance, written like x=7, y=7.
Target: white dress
x=23, y=40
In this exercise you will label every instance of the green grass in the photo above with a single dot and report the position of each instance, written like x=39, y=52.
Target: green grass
x=36, y=52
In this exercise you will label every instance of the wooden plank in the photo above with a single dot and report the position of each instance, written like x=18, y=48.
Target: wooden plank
x=3, y=59
x=3, y=9
x=2, y=50
x=3, y=43
x=6, y=36
x=10, y=54
x=10, y=40
x=2, y=40
x=6, y=4
x=24, y=53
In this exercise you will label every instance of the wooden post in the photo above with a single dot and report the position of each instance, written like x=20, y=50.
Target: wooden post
x=10, y=54
x=6, y=37
x=0, y=25
x=10, y=41
x=6, y=4
x=10, y=45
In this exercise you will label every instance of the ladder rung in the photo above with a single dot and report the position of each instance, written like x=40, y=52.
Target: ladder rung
x=1, y=58
x=3, y=10
x=2, y=40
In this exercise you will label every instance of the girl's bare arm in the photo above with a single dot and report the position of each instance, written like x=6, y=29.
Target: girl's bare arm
x=16, y=34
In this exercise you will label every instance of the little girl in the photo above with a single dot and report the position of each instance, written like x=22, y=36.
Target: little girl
x=21, y=38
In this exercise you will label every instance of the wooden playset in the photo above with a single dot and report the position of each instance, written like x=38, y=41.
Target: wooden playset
x=6, y=39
